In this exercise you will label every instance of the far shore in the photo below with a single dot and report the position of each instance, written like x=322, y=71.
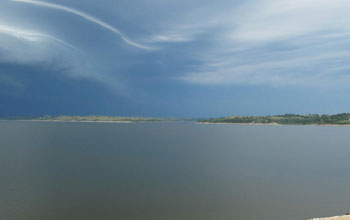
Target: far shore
x=83, y=121
x=228, y=123
x=273, y=124
x=201, y=123
x=35, y=120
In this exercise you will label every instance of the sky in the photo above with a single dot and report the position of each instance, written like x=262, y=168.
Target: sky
x=174, y=58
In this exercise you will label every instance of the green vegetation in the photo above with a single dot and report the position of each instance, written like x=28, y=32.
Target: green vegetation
x=311, y=119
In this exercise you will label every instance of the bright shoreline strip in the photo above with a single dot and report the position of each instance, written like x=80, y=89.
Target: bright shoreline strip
x=344, y=217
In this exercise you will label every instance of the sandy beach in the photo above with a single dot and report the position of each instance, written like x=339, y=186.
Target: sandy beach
x=344, y=217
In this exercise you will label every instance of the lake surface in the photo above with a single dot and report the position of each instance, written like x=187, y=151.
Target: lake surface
x=172, y=171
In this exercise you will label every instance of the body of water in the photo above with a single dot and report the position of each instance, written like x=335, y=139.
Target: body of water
x=172, y=171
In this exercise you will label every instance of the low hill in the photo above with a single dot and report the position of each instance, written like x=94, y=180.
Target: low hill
x=311, y=119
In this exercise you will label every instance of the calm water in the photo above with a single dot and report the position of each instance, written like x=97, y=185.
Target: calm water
x=172, y=171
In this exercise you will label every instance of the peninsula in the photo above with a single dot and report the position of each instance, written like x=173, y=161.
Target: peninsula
x=94, y=118
x=286, y=119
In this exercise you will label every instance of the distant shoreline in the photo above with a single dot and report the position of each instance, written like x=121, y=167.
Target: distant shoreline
x=337, y=120
x=34, y=120
x=76, y=121
x=91, y=119
x=196, y=122
x=272, y=124
x=233, y=123
x=342, y=119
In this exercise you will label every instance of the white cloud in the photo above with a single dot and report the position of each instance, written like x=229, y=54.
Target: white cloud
x=87, y=17
x=27, y=46
x=276, y=42
x=31, y=36
x=280, y=72
x=269, y=42
x=18, y=46
x=283, y=19
x=170, y=37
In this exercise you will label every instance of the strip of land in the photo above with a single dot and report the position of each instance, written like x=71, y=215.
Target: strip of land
x=286, y=119
x=92, y=119
x=344, y=217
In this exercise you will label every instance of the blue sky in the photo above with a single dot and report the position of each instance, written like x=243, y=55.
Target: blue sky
x=174, y=58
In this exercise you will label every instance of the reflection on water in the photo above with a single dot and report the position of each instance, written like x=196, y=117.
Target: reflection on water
x=168, y=171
